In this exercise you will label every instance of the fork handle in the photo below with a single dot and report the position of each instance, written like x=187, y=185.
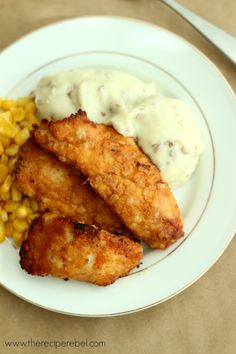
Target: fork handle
x=225, y=42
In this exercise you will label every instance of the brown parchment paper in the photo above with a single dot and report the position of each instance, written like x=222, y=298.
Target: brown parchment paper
x=200, y=320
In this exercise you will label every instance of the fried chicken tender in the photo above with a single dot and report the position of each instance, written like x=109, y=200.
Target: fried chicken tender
x=120, y=172
x=57, y=187
x=59, y=247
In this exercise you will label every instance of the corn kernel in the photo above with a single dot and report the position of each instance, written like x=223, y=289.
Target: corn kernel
x=18, y=114
x=31, y=125
x=10, y=206
x=7, y=127
x=22, y=136
x=31, y=217
x=34, y=205
x=12, y=215
x=2, y=231
x=20, y=225
x=5, y=187
x=5, y=196
x=23, y=124
x=4, y=159
x=1, y=148
x=5, y=141
x=12, y=150
x=22, y=212
x=30, y=107
x=3, y=215
x=15, y=194
x=11, y=164
x=26, y=202
x=3, y=172
x=8, y=228
x=1, y=101
x=17, y=237
x=22, y=101
x=7, y=115
x=7, y=104
x=31, y=119
x=25, y=235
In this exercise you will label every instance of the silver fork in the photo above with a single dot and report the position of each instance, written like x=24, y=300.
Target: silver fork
x=225, y=42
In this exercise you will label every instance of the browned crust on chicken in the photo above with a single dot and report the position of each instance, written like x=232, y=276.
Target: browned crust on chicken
x=120, y=172
x=59, y=247
x=59, y=188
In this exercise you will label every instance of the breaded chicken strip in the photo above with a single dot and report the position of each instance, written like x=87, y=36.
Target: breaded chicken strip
x=120, y=172
x=60, y=189
x=59, y=247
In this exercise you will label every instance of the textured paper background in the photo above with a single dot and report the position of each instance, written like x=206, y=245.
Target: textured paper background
x=202, y=319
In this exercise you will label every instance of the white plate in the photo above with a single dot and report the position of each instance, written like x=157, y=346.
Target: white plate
x=207, y=201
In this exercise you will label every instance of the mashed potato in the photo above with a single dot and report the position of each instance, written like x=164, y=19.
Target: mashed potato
x=163, y=127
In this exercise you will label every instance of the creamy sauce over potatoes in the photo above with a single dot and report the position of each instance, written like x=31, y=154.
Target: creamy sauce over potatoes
x=163, y=127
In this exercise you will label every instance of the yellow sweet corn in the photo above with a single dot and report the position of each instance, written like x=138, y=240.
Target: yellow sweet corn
x=26, y=202
x=7, y=127
x=5, y=187
x=22, y=101
x=16, y=212
x=3, y=172
x=3, y=215
x=8, y=229
x=18, y=237
x=22, y=136
x=34, y=205
x=1, y=148
x=23, y=124
x=12, y=150
x=5, y=196
x=18, y=114
x=2, y=231
x=22, y=212
x=20, y=225
x=12, y=215
x=11, y=164
x=31, y=217
x=5, y=141
x=30, y=107
x=4, y=159
x=11, y=206
x=31, y=119
x=16, y=195
x=7, y=104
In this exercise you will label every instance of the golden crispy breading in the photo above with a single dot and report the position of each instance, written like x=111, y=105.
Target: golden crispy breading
x=59, y=247
x=120, y=172
x=60, y=189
